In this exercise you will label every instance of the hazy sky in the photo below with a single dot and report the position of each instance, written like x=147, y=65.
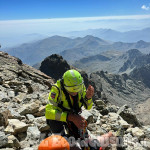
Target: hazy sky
x=18, y=17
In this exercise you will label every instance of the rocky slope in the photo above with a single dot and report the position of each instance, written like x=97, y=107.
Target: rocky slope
x=23, y=96
x=120, y=90
x=135, y=60
x=142, y=74
x=130, y=57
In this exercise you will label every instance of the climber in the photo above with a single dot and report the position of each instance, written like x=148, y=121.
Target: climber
x=65, y=99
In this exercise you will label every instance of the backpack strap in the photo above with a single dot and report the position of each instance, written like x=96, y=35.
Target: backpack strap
x=60, y=103
x=66, y=94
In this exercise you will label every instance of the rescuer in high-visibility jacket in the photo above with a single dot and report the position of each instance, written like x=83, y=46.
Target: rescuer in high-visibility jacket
x=65, y=99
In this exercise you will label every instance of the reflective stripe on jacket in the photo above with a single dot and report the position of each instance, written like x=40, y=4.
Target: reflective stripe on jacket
x=53, y=112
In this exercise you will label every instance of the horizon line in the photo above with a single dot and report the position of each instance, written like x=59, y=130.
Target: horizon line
x=120, y=17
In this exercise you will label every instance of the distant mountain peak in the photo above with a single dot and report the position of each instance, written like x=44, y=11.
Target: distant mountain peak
x=141, y=42
x=95, y=39
x=134, y=51
x=90, y=37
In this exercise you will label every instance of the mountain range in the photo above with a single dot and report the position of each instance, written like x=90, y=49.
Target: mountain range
x=108, y=34
x=114, y=61
x=71, y=49
x=113, y=35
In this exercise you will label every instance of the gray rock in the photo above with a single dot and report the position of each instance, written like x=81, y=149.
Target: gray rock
x=2, y=128
x=11, y=94
x=123, y=123
x=14, y=114
x=138, y=132
x=33, y=133
x=146, y=143
x=147, y=131
x=41, y=123
x=20, y=97
x=92, y=127
x=29, y=108
x=112, y=108
x=15, y=126
x=87, y=115
x=41, y=112
x=3, y=139
x=128, y=116
x=13, y=142
x=30, y=117
x=113, y=117
x=3, y=95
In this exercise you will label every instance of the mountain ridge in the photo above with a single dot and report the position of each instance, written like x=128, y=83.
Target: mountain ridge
x=114, y=35
x=70, y=49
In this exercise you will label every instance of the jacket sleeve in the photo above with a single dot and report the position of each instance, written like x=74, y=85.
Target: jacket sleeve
x=53, y=112
x=89, y=102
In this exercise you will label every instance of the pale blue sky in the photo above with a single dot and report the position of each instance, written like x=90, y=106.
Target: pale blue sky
x=48, y=17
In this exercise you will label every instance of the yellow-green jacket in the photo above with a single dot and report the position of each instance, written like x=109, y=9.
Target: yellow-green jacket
x=57, y=96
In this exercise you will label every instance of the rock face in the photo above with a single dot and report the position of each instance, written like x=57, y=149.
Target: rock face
x=54, y=66
x=133, y=57
x=142, y=74
x=24, y=92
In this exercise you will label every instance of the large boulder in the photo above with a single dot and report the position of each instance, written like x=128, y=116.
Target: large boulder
x=15, y=126
x=54, y=66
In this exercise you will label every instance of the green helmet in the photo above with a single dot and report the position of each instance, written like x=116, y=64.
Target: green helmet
x=73, y=81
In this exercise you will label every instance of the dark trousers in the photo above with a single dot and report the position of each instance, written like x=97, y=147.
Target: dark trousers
x=56, y=126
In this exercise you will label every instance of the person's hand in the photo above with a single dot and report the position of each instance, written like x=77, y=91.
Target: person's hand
x=78, y=120
x=89, y=92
